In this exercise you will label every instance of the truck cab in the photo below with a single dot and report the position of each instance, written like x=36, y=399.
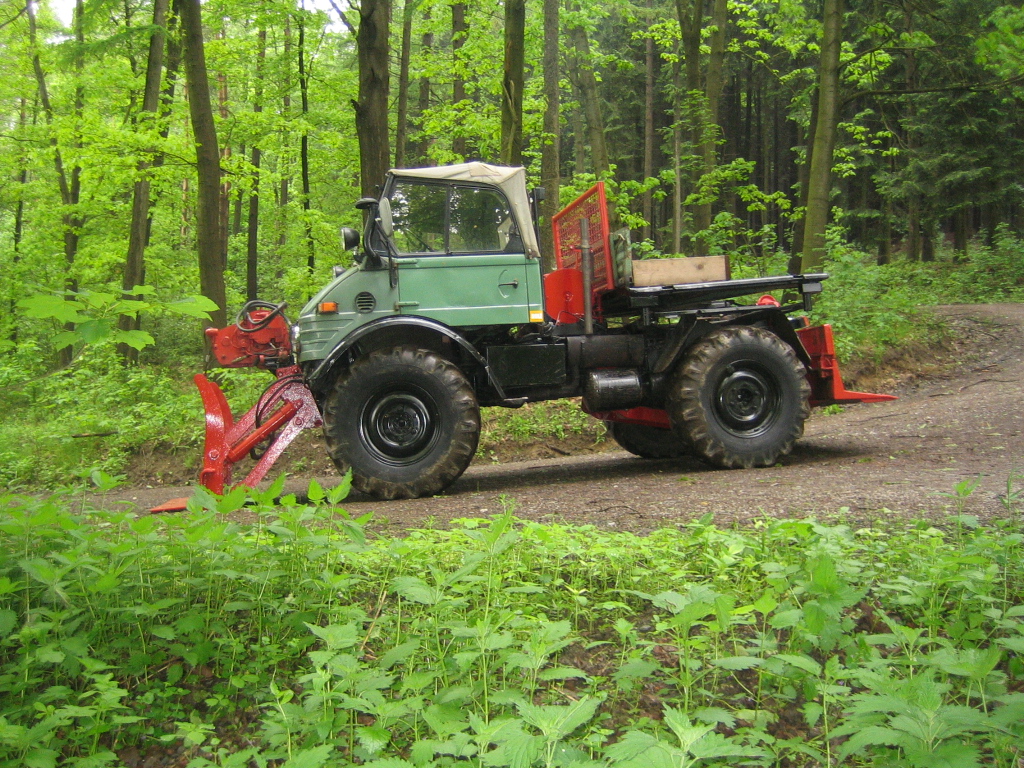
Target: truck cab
x=454, y=246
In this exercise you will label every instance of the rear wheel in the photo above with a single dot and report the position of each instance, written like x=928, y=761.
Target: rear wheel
x=404, y=420
x=740, y=398
x=647, y=442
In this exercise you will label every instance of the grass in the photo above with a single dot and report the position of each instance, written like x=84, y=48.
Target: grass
x=300, y=640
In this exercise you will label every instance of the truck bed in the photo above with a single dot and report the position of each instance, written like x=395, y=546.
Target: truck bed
x=670, y=298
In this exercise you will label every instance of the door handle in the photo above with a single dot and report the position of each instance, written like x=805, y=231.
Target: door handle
x=514, y=284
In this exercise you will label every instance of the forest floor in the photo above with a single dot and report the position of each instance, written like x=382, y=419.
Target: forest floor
x=959, y=417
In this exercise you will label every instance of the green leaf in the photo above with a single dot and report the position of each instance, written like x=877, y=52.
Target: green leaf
x=340, y=492
x=631, y=746
x=40, y=757
x=872, y=735
x=398, y=654
x=806, y=663
x=557, y=722
x=687, y=733
x=415, y=589
x=315, y=492
x=561, y=673
x=135, y=339
x=66, y=339
x=336, y=636
x=8, y=621
x=193, y=306
x=738, y=662
x=373, y=738
x=310, y=758
x=43, y=306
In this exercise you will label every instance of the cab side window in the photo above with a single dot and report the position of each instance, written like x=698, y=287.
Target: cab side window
x=438, y=218
x=480, y=221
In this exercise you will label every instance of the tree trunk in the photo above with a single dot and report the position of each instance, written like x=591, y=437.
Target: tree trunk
x=459, y=31
x=591, y=101
x=252, y=257
x=913, y=198
x=282, y=165
x=819, y=174
x=209, y=235
x=423, y=104
x=19, y=220
x=304, y=145
x=403, y=83
x=650, y=137
x=928, y=241
x=709, y=125
x=225, y=156
x=69, y=184
x=550, y=158
x=961, y=226
x=138, y=232
x=512, y=83
x=677, y=160
x=372, y=105
x=885, y=236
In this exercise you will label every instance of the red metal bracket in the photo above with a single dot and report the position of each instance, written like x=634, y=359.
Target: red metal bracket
x=284, y=410
x=826, y=382
x=291, y=409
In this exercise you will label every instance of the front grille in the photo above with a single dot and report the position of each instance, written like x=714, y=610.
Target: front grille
x=365, y=302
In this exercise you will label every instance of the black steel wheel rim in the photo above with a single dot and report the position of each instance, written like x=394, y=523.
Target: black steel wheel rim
x=399, y=427
x=747, y=399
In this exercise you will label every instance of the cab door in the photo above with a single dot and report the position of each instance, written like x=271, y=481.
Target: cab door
x=461, y=260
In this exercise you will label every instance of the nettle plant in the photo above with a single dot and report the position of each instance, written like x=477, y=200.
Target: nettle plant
x=296, y=639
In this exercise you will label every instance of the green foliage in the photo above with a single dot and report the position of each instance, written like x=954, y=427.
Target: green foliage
x=297, y=638
x=877, y=308
x=538, y=421
x=93, y=315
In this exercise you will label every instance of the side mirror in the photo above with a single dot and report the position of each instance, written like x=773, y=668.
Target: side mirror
x=387, y=225
x=365, y=203
x=349, y=238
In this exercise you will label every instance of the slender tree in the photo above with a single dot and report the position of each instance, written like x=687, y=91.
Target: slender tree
x=512, y=83
x=372, y=105
x=550, y=159
x=819, y=175
x=253, y=228
x=138, y=232
x=209, y=234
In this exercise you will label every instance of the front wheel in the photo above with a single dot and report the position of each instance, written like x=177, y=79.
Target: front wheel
x=404, y=420
x=740, y=398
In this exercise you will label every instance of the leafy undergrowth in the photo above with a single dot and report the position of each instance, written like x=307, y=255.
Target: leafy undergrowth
x=297, y=641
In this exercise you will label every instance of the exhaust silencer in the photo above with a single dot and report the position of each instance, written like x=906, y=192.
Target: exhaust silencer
x=612, y=389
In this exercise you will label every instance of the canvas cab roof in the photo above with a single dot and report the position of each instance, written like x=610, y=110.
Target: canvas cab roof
x=511, y=181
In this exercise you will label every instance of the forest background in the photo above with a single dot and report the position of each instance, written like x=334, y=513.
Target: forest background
x=161, y=161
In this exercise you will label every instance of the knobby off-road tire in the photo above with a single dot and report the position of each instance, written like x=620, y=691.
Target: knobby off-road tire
x=405, y=421
x=740, y=398
x=647, y=442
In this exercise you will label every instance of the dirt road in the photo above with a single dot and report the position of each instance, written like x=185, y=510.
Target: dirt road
x=867, y=463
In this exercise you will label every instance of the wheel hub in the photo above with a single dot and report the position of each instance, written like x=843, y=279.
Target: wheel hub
x=398, y=427
x=746, y=401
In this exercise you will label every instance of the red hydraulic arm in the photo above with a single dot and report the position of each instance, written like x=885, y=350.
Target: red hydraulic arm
x=260, y=338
